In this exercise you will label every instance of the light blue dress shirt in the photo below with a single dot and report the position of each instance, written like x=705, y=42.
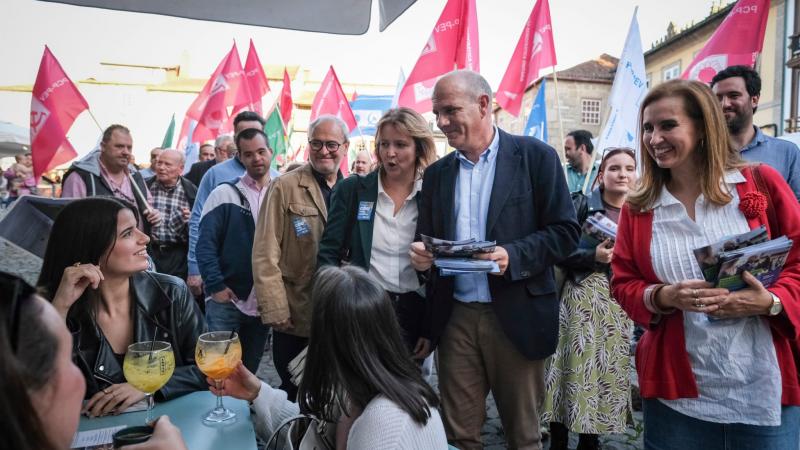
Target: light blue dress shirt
x=779, y=154
x=472, y=196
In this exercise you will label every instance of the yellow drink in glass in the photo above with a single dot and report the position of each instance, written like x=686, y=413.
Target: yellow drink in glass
x=149, y=375
x=147, y=367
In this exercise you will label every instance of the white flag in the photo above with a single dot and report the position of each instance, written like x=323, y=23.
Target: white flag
x=401, y=81
x=627, y=93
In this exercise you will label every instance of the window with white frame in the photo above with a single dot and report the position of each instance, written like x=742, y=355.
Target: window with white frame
x=590, y=111
x=671, y=71
x=649, y=80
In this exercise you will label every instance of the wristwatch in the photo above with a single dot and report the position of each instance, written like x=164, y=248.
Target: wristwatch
x=776, y=306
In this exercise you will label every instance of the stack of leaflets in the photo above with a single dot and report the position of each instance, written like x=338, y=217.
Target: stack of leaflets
x=597, y=229
x=455, y=257
x=723, y=262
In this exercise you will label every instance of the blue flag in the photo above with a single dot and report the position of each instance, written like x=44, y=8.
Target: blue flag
x=368, y=110
x=537, y=121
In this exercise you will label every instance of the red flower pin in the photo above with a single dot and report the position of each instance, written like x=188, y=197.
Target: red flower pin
x=753, y=204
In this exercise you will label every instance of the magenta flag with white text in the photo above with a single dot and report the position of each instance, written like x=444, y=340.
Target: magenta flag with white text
x=453, y=44
x=737, y=41
x=535, y=51
x=55, y=103
x=225, y=89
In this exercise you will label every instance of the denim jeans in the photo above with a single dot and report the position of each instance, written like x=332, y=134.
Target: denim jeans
x=252, y=333
x=667, y=429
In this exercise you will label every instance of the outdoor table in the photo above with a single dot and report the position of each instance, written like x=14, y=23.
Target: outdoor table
x=187, y=414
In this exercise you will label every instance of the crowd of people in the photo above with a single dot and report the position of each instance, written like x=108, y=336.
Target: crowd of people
x=309, y=261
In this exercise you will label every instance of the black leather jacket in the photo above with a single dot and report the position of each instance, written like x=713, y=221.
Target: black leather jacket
x=581, y=263
x=164, y=309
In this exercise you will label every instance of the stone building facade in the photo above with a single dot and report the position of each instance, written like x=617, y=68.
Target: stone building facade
x=583, y=92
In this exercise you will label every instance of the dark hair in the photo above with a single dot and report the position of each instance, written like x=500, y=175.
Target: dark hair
x=23, y=371
x=82, y=233
x=200, y=149
x=111, y=129
x=582, y=137
x=246, y=116
x=355, y=350
x=752, y=81
x=250, y=134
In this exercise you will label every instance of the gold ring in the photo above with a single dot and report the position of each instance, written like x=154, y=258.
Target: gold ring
x=105, y=391
x=76, y=264
x=698, y=304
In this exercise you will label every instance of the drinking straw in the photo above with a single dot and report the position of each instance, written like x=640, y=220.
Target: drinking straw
x=229, y=342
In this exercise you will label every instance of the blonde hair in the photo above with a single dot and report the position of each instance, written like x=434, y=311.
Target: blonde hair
x=415, y=126
x=715, y=153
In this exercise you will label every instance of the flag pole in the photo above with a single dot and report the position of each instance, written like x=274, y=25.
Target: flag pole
x=95, y=120
x=558, y=107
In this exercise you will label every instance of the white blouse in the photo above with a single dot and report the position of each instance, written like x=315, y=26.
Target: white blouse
x=733, y=360
x=392, y=236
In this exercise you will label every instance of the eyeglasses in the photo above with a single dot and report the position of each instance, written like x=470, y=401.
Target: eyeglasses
x=317, y=145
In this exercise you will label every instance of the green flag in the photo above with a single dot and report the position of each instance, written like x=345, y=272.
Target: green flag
x=170, y=132
x=276, y=136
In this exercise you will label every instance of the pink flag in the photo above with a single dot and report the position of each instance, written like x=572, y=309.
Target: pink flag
x=286, y=99
x=257, y=83
x=255, y=87
x=737, y=41
x=535, y=51
x=330, y=99
x=225, y=89
x=55, y=103
x=453, y=43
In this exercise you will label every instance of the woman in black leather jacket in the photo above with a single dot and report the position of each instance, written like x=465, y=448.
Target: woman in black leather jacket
x=94, y=273
x=587, y=378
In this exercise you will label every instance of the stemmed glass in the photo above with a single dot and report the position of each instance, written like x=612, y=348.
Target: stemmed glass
x=147, y=367
x=217, y=355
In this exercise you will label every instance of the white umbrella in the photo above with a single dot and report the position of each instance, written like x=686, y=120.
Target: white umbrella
x=14, y=139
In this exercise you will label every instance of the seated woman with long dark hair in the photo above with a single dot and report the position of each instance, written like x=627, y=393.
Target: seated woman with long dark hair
x=94, y=273
x=42, y=389
x=357, y=364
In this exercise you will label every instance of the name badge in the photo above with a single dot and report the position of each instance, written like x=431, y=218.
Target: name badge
x=300, y=227
x=365, y=210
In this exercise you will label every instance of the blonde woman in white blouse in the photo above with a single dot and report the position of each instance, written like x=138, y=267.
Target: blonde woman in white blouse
x=715, y=367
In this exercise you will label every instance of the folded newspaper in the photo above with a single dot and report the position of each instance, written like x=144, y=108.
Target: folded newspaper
x=597, y=229
x=455, y=257
x=723, y=262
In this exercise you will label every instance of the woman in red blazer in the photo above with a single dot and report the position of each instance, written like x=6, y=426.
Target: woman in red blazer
x=716, y=368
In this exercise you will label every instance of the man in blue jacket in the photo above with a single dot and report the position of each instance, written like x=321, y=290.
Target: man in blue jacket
x=220, y=173
x=494, y=331
x=227, y=226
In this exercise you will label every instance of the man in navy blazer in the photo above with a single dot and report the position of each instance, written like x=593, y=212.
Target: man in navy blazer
x=493, y=331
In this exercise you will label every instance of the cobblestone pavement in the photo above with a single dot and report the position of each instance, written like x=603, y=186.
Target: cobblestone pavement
x=14, y=260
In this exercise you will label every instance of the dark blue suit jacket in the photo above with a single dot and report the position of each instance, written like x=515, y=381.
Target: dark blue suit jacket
x=531, y=216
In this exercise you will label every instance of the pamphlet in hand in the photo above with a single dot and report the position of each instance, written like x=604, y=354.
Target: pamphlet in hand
x=708, y=257
x=764, y=261
x=457, y=249
x=597, y=229
x=460, y=266
x=455, y=257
